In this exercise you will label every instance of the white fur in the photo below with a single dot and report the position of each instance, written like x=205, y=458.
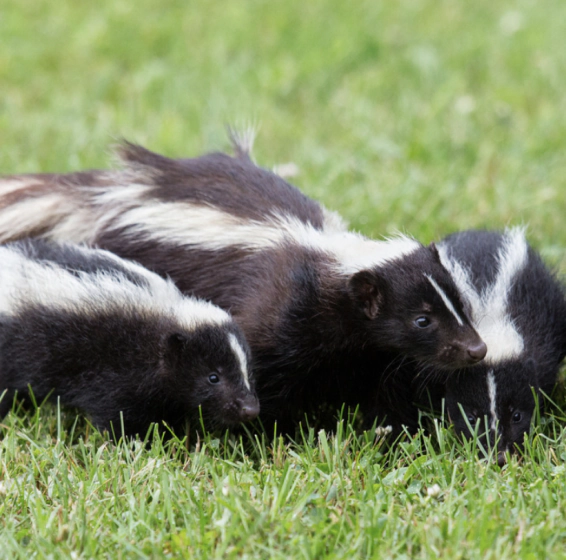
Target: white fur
x=25, y=282
x=210, y=228
x=44, y=212
x=95, y=208
x=492, y=393
x=488, y=310
x=333, y=221
x=445, y=299
x=10, y=185
x=119, y=195
x=512, y=259
x=241, y=357
x=243, y=139
x=75, y=214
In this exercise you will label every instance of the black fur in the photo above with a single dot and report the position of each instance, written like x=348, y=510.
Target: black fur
x=118, y=360
x=234, y=184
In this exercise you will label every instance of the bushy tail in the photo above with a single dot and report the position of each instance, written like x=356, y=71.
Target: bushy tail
x=54, y=206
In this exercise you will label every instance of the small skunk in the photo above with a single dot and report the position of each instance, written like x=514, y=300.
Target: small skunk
x=314, y=300
x=107, y=336
x=519, y=309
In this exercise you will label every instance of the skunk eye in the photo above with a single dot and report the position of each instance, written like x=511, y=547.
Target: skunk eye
x=213, y=378
x=471, y=418
x=517, y=417
x=422, y=322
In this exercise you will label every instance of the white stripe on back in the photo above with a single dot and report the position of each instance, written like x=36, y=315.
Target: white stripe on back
x=83, y=212
x=25, y=282
x=210, y=228
x=50, y=211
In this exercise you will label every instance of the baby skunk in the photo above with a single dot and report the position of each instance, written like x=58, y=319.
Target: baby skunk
x=316, y=302
x=519, y=308
x=107, y=336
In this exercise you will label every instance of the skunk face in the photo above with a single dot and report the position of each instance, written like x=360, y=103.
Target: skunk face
x=415, y=308
x=497, y=403
x=210, y=370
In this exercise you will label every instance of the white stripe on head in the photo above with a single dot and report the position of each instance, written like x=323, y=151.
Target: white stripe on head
x=492, y=393
x=512, y=258
x=489, y=310
x=445, y=298
x=241, y=357
x=461, y=277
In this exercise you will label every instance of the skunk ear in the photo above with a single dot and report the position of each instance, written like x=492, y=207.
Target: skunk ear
x=434, y=250
x=173, y=347
x=367, y=289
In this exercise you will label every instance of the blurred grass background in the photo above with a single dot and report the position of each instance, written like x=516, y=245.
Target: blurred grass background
x=425, y=116
x=417, y=115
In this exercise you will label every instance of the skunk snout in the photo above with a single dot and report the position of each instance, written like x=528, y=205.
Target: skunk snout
x=249, y=408
x=464, y=352
x=477, y=352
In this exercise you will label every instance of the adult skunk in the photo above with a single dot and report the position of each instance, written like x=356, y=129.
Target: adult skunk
x=109, y=337
x=315, y=301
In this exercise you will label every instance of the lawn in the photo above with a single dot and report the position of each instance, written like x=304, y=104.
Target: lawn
x=425, y=116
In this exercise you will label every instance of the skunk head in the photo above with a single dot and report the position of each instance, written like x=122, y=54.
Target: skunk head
x=209, y=368
x=497, y=403
x=413, y=304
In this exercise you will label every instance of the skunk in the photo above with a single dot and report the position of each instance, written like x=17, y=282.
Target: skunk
x=314, y=300
x=111, y=338
x=518, y=307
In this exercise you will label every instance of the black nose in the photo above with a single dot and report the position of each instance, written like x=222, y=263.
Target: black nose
x=249, y=409
x=477, y=352
x=501, y=458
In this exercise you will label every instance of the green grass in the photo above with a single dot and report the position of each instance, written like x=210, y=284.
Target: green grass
x=339, y=496
x=426, y=116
